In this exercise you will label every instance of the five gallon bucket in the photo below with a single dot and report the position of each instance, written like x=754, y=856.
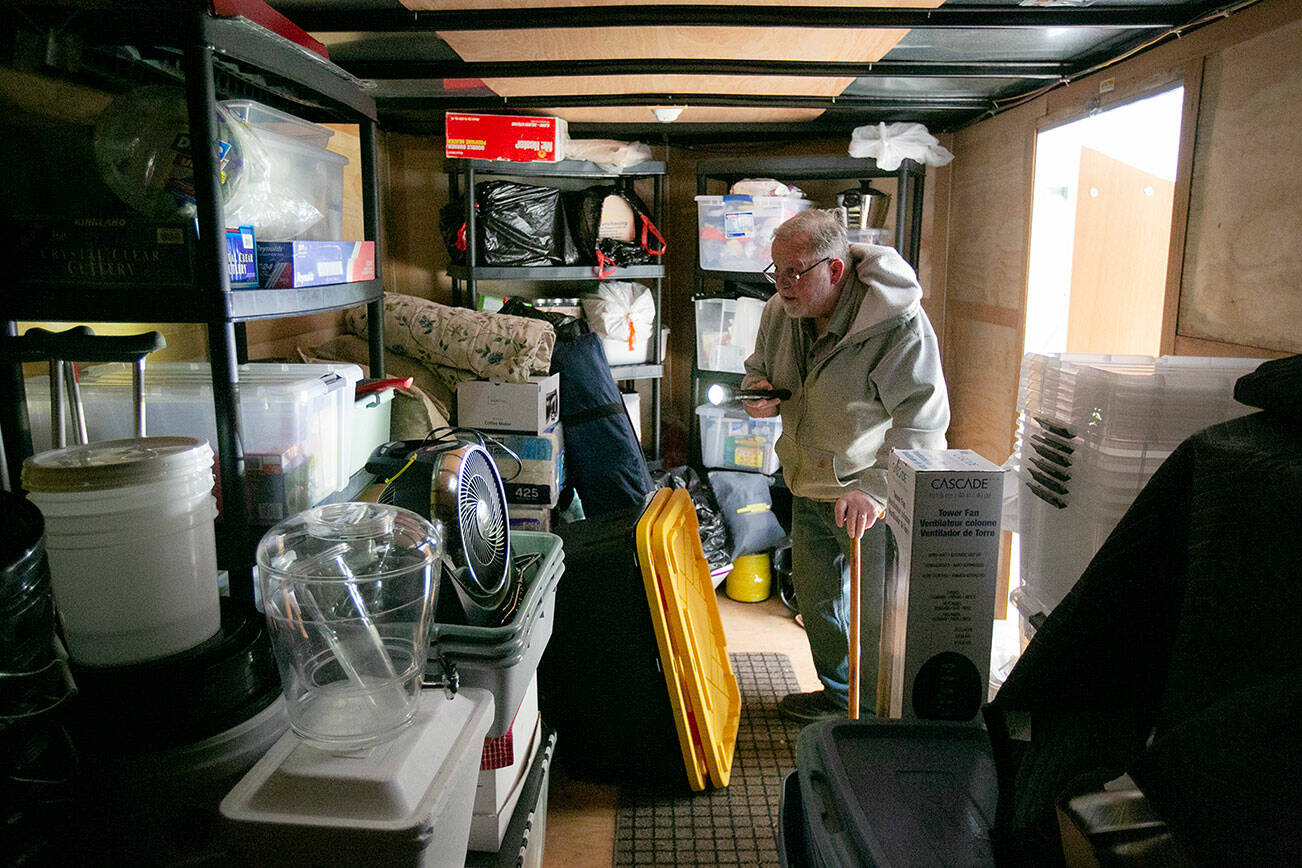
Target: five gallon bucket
x=132, y=551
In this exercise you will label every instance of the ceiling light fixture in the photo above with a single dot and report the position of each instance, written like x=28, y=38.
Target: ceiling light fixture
x=667, y=114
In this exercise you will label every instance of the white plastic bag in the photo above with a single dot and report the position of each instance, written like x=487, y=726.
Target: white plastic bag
x=607, y=153
x=622, y=313
x=764, y=187
x=890, y=144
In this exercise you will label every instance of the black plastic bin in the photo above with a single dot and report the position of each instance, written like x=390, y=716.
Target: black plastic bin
x=891, y=794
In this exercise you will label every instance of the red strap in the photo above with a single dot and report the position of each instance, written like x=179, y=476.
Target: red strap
x=648, y=226
x=605, y=265
x=461, y=238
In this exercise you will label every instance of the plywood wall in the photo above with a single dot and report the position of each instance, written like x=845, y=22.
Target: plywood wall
x=1243, y=263
x=1237, y=292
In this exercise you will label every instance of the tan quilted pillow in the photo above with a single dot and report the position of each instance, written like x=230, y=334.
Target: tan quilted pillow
x=487, y=345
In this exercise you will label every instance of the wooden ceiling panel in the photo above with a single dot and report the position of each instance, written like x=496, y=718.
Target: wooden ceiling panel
x=691, y=115
x=450, y=5
x=741, y=43
x=676, y=84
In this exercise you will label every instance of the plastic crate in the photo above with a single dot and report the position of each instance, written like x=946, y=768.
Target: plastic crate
x=725, y=332
x=503, y=659
x=736, y=232
x=732, y=440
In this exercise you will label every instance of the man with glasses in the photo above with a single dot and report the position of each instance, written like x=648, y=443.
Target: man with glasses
x=846, y=334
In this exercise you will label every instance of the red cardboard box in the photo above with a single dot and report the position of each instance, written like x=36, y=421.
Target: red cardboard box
x=504, y=137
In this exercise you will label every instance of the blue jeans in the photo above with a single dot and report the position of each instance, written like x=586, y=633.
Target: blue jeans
x=820, y=572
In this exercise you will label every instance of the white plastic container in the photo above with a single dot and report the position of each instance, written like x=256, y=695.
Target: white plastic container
x=133, y=555
x=301, y=413
x=736, y=232
x=304, y=170
x=406, y=802
x=734, y=441
x=265, y=118
x=725, y=332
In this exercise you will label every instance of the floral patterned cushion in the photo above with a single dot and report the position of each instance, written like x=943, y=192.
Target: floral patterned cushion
x=486, y=345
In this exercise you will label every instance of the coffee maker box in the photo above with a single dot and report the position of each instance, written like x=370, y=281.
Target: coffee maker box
x=533, y=407
x=942, y=513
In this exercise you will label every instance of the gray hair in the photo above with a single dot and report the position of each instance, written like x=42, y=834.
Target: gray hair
x=825, y=231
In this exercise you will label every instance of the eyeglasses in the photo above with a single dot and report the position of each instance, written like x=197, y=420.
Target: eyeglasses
x=771, y=273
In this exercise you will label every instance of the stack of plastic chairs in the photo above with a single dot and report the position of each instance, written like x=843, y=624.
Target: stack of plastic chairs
x=1092, y=429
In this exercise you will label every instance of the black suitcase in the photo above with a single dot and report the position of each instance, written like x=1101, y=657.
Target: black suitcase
x=599, y=682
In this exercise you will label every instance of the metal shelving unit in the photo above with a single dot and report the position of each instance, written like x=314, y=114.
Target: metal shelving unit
x=462, y=176
x=909, y=179
x=211, y=58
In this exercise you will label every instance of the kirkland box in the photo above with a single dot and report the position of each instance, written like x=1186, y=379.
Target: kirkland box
x=103, y=250
x=532, y=407
x=540, y=472
x=503, y=137
x=295, y=264
x=943, y=510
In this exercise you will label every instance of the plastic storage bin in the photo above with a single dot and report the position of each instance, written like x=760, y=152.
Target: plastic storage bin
x=299, y=415
x=736, y=232
x=406, y=804
x=264, y=118
x=302, y=167
x=732, y=440
x=881, y=794
x=1092, y=431
x=503, y=659
x=725, y=332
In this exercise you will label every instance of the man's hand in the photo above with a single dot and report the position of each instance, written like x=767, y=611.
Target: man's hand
x=856, y=512
x=761, y=409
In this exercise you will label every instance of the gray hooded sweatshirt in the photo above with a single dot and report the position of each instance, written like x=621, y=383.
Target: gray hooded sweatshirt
x=879, y=388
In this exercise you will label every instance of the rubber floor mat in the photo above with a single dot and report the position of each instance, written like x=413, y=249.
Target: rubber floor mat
x=735, y=825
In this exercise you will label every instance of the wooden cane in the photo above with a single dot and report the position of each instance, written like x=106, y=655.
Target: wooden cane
x=854, y=628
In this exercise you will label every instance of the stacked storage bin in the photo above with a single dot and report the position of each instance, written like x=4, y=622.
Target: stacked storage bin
x=297, y=421
x=1092, y=430
x=504, y=661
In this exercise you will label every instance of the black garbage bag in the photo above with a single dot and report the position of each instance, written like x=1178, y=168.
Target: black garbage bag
x=716, y=539
x=567, y=327
x=516, y=224
x=583, y=208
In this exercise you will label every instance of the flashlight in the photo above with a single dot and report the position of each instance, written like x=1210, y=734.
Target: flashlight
x=719, y=394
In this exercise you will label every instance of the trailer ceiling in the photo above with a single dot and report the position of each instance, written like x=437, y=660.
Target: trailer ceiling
x=738, y=70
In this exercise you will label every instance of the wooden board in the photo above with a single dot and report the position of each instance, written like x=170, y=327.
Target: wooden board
x=1118, y=271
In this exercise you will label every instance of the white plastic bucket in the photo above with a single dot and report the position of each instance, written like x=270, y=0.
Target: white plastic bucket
x=133, y=554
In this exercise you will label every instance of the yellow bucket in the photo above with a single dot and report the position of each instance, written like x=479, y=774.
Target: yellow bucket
x=750, y=580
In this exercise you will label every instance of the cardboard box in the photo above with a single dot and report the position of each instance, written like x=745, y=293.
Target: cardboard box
x=504, y=137
x=241, y=258
x=505, y=758
x=295, y=264
x=537, y=478
x=942, y=512
x=115, y=251
x=532, y=407
x=530, y=518
x=488, y=829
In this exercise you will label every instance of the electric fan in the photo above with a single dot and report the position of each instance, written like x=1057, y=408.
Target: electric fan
x=457, y=483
